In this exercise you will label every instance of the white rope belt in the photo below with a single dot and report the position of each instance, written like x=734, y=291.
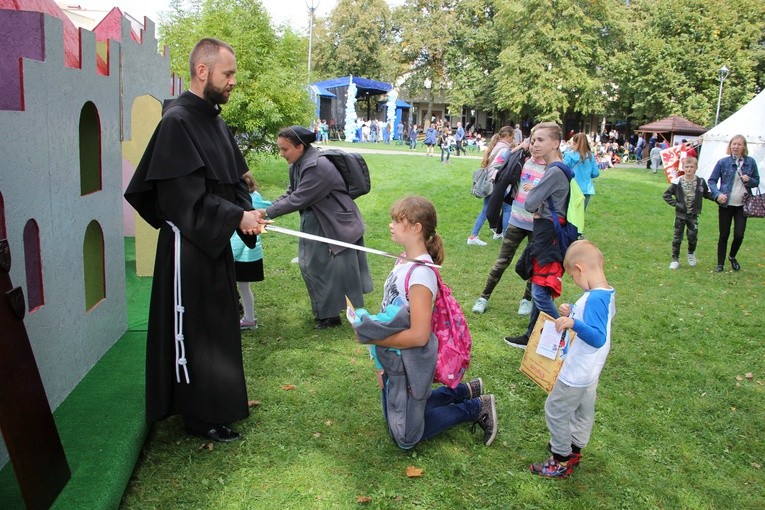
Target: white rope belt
x=180, y=347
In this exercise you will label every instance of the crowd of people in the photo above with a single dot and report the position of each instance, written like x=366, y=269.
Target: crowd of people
x=193, y=184
x=609, y=147
x=438, y=133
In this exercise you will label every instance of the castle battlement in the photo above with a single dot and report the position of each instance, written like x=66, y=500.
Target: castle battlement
x=77, y=108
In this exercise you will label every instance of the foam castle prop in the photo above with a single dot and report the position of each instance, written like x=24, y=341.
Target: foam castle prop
x=77, y=109
x=26, y=420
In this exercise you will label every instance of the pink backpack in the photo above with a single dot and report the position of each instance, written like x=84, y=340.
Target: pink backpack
x=450, y=327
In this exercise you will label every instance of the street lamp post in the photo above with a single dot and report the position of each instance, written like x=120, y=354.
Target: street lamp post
x=724, y=71
x=311, y=10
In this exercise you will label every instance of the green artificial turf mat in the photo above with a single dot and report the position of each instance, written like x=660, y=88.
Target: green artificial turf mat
x=101, y=422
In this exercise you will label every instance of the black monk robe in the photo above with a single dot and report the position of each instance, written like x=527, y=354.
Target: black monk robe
x=191, y=175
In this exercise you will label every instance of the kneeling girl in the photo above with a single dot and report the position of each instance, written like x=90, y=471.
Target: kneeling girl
x=407, y=358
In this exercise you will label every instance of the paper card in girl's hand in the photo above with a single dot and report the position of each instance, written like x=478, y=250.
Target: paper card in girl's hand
x=350, y=312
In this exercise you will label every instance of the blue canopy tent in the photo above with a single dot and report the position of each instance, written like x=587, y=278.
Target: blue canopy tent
x=365, y=86
x=322, y=98
x=365, y=90
x=402, y=114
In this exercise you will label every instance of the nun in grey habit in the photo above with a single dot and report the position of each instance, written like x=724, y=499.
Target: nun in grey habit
x=318, y=192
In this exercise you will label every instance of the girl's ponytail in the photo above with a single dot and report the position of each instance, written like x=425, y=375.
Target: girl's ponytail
x=487, y=153
x=435, y=247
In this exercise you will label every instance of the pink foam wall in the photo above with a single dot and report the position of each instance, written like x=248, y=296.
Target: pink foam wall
x=111, y=27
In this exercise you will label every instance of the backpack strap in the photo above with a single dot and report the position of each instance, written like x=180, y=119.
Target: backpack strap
x=409, y=275
x=553, y=212
x=563, y=168
x=339, y=203
x=569, y=175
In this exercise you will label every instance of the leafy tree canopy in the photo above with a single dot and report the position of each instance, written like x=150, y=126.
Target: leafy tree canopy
x=674, y=50
x=268, y=95
x=554, y=56
x=541, y=59
x=473, y=54
x=425, y=39
x=356, y=39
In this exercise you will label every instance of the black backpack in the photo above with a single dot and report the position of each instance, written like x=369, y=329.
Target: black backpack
x=352, y=168
x=509, y=174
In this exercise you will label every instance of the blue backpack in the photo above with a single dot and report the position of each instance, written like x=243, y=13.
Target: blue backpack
x=573, y=229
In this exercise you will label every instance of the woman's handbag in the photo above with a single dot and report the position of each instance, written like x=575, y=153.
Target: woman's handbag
x=754, y=203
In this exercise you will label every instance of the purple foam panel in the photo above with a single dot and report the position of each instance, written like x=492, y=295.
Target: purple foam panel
x=21, y=36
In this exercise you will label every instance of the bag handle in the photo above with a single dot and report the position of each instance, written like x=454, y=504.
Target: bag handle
x=738, y=166
x=747, y=189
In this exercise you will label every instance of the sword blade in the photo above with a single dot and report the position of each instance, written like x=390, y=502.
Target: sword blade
x=313, y=237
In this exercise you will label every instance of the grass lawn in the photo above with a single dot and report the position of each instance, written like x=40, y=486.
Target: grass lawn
x=678, y=425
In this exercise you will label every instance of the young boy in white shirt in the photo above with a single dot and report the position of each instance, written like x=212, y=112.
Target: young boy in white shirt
x=570, y=407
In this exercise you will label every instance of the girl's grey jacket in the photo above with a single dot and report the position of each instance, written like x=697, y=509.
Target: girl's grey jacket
x=409, y=377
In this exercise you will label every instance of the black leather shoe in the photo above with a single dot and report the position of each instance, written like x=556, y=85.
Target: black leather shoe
x=222, y=434
x=719, y=268
x=331, y=322
x=734, y=263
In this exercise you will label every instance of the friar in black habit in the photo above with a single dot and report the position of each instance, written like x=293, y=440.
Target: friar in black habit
x=189, y=185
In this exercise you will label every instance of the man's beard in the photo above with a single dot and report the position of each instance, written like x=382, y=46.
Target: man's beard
x=214, y=95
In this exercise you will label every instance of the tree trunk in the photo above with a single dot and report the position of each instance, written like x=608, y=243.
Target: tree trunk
x=428, y=115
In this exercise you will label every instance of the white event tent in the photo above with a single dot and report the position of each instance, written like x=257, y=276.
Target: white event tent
x=748, y=121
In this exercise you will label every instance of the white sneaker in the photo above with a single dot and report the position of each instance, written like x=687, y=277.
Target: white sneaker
x=245, y=324
x=474, y=241
x=295, y=260
x=674, y=265
x=525, y=307
x=480, y=305
x=691, y=259
x=497, y=236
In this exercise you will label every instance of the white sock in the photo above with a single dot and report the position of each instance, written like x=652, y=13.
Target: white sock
x=248, y=301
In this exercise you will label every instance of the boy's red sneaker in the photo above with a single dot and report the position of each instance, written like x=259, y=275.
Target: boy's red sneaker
x=551, y=468
x=573, y=459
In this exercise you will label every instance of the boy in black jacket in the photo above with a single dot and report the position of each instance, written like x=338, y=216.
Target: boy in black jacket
x=686, y=196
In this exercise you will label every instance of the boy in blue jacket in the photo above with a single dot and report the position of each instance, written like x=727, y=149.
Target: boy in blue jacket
x=570, y=407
